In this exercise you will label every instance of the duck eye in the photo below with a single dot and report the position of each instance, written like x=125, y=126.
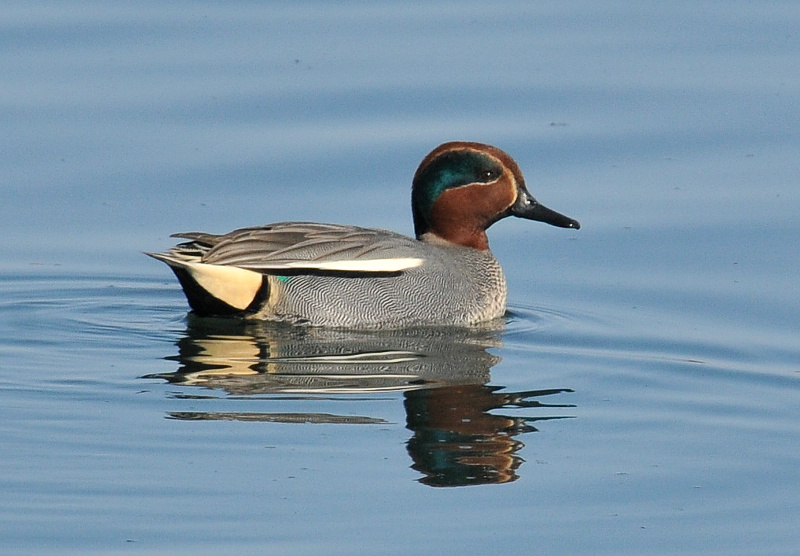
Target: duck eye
x=489, y=175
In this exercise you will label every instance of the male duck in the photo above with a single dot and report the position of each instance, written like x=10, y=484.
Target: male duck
x=345, y=276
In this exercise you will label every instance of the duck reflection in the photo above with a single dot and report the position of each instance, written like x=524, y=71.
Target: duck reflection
x=443, y=373
x=458, y=442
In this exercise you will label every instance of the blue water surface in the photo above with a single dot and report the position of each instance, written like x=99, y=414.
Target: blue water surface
x=641, y=396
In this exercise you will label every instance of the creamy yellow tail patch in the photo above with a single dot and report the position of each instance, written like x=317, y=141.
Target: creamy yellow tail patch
x=235, y=286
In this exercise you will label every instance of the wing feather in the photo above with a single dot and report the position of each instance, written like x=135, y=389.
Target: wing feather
x=298, y=246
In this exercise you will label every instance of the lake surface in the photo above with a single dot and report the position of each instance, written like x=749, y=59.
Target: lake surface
x=641, y=396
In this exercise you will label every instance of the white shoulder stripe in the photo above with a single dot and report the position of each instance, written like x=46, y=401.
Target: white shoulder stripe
x=373, y=265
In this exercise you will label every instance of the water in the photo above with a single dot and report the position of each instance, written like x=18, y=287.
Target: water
x=640, y=397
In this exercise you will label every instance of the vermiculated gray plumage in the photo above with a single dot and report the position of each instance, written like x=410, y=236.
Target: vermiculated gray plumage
x=453, y=284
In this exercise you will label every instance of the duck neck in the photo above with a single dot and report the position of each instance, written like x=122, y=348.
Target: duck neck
x=465, y=238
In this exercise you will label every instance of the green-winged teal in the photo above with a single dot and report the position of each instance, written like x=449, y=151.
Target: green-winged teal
x=345, y=276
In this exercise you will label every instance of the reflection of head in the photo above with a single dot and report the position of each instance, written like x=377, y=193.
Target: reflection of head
x=458, y=442
x=448, y=460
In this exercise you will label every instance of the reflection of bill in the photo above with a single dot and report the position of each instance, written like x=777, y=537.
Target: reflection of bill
x=458, y=442
x=442, y=372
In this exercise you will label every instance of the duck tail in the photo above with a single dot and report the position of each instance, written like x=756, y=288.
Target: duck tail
x=216, y=290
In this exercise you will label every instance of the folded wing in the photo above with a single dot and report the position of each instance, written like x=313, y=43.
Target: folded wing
x=302, y=247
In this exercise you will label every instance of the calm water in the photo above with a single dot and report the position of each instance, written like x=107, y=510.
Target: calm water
x=642, y=396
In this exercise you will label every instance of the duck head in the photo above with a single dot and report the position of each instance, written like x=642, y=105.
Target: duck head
x=462, y=188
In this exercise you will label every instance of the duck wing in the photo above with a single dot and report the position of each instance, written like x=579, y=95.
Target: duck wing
x=299, y=247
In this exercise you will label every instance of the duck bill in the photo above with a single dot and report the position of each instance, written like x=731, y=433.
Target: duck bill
x=528, y=207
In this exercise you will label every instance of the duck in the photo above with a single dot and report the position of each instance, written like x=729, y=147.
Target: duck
x=332, y=275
